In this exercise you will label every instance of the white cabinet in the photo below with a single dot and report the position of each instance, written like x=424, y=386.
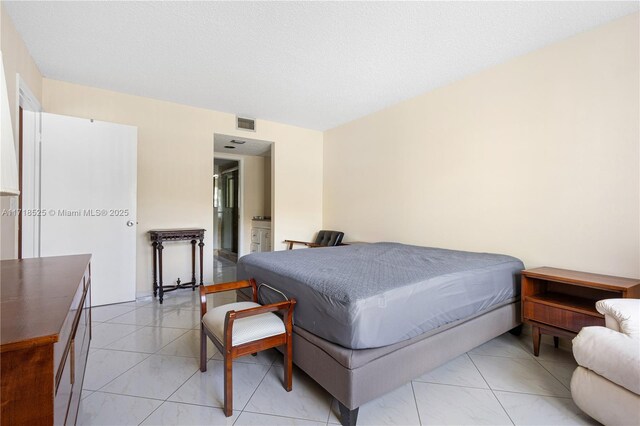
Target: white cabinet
x=260, y=236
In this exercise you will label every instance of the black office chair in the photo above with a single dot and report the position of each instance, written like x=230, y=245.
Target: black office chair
x=323, y=239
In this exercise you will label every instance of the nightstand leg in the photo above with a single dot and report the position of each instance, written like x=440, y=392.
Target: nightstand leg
x=535, y=331
x=556, y=341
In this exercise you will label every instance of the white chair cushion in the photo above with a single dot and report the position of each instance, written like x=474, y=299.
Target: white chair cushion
x=622, y=315
x=603, y=400
x=613, y=355
x=245, y=330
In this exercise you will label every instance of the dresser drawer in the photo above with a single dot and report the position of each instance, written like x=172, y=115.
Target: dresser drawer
x=557, y=317
x=80, y=359
x=86, y=311
x=66, y=332
x=63, y=392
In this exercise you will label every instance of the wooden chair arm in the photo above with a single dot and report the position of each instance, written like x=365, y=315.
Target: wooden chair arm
x=217, y=288
x=231, y=316
x=233, y=285
x=290, y=244
x=273, y=307
x=296, y=242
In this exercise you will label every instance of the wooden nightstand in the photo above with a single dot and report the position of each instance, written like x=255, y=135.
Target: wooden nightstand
x=560, y=302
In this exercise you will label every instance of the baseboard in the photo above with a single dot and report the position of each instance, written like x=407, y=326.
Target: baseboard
x=144, y=294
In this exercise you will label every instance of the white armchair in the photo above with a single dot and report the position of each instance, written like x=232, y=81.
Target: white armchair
x=606, y=384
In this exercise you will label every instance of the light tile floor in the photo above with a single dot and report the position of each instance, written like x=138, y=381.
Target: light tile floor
x=143, y=369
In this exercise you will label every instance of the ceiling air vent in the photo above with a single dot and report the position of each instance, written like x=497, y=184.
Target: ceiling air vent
x=246, y=124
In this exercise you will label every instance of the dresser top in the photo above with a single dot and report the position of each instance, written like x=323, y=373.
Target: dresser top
x=36, y=296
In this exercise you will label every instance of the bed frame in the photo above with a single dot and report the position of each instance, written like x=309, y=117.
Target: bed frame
x=357, y=376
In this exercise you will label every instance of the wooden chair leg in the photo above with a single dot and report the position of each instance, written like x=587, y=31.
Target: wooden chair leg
x=228, y=385
x=556, y=341
x=203, y=350
x=288, y=365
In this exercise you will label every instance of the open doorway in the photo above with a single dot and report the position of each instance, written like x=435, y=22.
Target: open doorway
x=242, y=185
x=226, y=187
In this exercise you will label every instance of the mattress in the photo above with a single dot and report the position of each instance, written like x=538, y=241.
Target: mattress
x=371, y=295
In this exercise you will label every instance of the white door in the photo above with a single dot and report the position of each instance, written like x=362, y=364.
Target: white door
x=88, y=200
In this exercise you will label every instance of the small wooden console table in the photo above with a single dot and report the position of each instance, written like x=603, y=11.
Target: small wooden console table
x=158, y=237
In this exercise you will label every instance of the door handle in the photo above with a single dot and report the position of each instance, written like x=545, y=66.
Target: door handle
x=130, y=223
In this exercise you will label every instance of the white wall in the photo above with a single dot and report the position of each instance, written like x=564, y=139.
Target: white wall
x=175, y=169
x=537, y=158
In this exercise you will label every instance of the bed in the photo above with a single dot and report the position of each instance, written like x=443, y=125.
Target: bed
x=371, y=317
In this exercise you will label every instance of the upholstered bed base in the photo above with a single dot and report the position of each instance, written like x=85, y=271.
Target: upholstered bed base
x=354, y=387
x=371, y=373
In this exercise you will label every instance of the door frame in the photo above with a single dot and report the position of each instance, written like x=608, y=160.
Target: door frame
x=240, y=160
x=27, y=101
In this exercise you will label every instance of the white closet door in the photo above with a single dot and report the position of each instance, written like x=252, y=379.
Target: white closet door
x=88, y=200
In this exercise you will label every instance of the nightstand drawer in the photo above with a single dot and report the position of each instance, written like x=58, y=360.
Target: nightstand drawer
x=558, y=317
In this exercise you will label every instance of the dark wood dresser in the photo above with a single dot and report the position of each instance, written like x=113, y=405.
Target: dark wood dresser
x=45, y=331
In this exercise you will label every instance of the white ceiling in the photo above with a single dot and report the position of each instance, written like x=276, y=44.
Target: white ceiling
x=249, y=147
x=311, y=64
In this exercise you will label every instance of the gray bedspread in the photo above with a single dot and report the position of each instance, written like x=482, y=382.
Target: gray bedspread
x=371, y=295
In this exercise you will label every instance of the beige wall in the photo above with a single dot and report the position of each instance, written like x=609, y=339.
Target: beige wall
x=252, y=184
x=267, y=187
x=175, y=168
x=16, y=60
x=537, y=158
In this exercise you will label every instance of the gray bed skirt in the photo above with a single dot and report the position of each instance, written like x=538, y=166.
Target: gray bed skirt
x=357, y=376
x=379, y=376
